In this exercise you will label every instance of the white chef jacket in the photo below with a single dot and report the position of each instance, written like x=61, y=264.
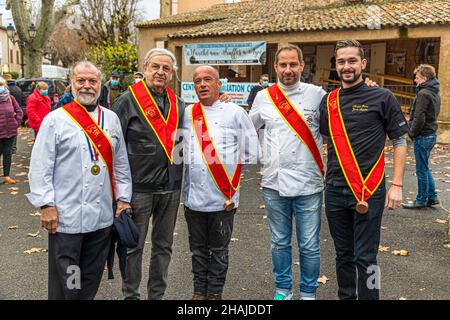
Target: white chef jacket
x=234, y=138
x=60, y=173
x=288, y=166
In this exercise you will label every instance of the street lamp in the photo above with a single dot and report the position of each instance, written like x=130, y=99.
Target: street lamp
x=11, y=31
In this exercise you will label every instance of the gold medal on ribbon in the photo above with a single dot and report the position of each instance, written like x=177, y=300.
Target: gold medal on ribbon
x=95, y=170
x=228, y=205
x=362, y=206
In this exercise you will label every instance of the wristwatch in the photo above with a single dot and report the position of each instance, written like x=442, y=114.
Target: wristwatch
x=45, y=207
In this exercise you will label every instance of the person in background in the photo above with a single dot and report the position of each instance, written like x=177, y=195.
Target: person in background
x=111, y=90
x=138, y=76
x=10, y=119
x=38, y=106
x=66, y=98
x=16, y=92
x=423, y=120
x=263, y=83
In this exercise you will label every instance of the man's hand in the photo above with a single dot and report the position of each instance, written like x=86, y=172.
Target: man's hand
x=394, y=197
x=49, y=219
x=370, y=83
x=121, y=205
x=224, y=97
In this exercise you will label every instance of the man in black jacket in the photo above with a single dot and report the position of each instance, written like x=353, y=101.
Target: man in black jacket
x=424, y=114
x=263, y=83
x=150, y=115
x=16, y=92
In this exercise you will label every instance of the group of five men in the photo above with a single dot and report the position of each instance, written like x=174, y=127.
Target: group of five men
x=135, y=156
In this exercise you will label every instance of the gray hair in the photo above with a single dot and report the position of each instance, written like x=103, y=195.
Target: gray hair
x=2, y=81
x=85, y=63
x=161, y=52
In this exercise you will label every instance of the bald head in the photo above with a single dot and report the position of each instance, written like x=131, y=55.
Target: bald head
x=213, y=70
x=207, y=84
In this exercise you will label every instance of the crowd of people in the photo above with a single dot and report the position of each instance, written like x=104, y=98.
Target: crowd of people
x=133, y=148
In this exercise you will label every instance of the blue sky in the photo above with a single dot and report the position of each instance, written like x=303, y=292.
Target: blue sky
x=149, y=9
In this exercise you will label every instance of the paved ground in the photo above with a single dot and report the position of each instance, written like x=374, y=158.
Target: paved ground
x=424, y=274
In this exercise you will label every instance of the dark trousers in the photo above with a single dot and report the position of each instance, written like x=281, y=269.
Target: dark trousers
x=76, y=263
x=162, y=208
x=209, y=237
x=356, y=239
x=6, y=152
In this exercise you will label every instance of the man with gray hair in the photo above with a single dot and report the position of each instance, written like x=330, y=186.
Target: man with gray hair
x=79, y=167
x=151, y=114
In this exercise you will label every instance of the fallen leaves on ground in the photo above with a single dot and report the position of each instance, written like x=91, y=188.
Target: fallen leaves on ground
x=383, y=248
x=403, y=253
x=441, y=221
x=36, y=214
x=21, y=174
x=13, y=227
x=13, y=188
x=383, y=228
x=323, y=280
x=402, y=298
x=33, y=235
x=234, y=239
x=35, y=250
x=447, y=245
x=261, y=206
x=296, y=263
x=14, y=193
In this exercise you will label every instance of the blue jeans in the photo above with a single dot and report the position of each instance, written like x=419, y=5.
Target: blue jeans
x=306, y=211
x=422, y=150
x=356, y=239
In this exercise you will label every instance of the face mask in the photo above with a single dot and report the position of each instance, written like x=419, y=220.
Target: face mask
x=137, y=80
x=114, y=83
x=2, y=89
x=265, y=84
x=44, y=92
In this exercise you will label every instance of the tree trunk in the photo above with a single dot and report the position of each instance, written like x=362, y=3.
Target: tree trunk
x=34, y=48
x=33, y=62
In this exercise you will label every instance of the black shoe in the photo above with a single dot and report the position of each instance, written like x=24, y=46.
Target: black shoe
x=432, y=202
x=414, y=205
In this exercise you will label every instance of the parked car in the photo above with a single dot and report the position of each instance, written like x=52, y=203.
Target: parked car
x=56, y=88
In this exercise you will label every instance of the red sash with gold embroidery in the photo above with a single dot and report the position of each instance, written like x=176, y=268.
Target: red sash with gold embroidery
x=346, y=156
x=296, y=122
x=165, y=130
x=211, y=157
x=95, y=134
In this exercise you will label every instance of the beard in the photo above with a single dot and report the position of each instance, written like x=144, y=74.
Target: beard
x=351, y=80
x=86, y=97
x=289, y=80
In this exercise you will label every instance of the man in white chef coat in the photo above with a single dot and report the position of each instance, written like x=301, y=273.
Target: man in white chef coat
x=219, y=138
x=79, y=168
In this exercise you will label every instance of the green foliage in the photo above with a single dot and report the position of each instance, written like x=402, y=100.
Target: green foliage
x=121, y=57
x=14, y=75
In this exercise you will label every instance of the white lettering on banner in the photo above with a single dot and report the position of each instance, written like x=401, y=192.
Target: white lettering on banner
x=238, y=92
x=225, y=53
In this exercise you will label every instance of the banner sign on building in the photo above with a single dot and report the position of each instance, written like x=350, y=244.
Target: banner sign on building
x=225, y=53
x=238, y=92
